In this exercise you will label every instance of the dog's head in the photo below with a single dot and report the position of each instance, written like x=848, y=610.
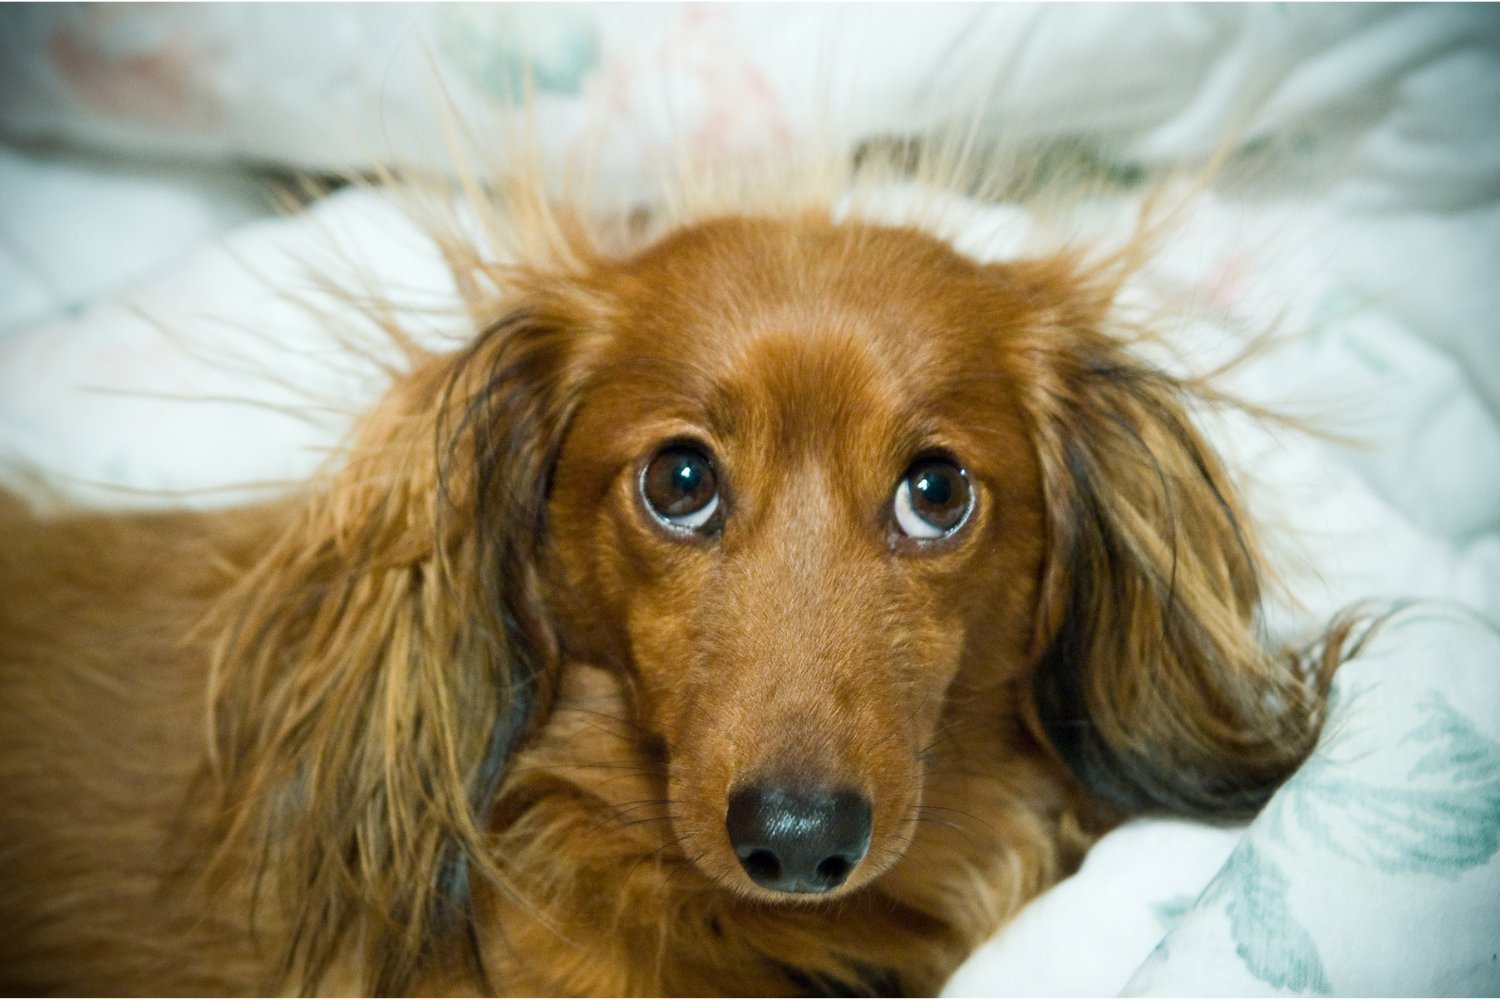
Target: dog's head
x=798, y=497
x=812, y=491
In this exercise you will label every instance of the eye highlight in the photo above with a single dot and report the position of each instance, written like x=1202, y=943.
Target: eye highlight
x=681, y=488
x=932, y=500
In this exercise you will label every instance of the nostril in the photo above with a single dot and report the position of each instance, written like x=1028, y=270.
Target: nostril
x=761, y=865
x=798, y=842
x=834, y=870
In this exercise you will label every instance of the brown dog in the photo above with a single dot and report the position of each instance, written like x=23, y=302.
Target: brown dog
x=774, y=607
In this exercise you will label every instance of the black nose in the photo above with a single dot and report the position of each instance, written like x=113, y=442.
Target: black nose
x=795, y=842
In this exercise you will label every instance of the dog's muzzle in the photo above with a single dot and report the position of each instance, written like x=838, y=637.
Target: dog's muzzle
x=798, y=842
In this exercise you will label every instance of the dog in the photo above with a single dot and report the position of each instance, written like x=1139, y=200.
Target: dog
x=770, y=604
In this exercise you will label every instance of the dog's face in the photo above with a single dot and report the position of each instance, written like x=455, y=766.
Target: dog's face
x=798, y=499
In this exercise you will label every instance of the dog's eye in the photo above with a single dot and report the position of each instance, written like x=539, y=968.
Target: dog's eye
x=680, y=487
x=933, y=499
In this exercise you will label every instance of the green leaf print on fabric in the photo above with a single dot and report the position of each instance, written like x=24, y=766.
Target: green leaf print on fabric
x=1444, y=820
x=1274, y=946
x=1169, y=912
x=1464, y=751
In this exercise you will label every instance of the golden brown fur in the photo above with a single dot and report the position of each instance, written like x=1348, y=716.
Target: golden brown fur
x=460, y=716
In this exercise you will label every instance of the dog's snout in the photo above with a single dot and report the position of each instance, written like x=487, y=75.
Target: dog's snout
x=795, y=842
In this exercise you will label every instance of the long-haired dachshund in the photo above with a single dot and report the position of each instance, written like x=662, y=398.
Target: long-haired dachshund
x=771, y=605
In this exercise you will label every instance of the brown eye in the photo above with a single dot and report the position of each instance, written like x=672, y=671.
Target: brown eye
x=681, y=488
x=932, y=500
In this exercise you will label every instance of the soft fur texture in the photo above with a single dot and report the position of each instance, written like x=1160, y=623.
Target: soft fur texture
x=462, y=716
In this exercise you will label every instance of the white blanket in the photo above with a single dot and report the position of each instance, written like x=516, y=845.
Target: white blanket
x=145, y=345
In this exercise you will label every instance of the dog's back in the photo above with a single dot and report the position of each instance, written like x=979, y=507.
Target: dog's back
x=102, y=724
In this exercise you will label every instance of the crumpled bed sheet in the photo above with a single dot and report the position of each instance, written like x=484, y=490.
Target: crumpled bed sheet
x=149, y=353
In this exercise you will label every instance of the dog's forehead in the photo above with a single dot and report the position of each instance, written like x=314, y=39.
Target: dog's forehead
x=808, y=307
x=738, y=268
x=858, y=346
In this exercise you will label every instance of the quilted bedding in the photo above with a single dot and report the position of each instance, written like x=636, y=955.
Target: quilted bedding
x=133, y=210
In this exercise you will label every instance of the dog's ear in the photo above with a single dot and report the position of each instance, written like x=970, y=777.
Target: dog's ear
x=1150, y=680
x=382, y=662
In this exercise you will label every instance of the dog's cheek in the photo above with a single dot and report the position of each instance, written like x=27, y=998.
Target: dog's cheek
x=664, y=636
x=996, y=593
x=593, y=569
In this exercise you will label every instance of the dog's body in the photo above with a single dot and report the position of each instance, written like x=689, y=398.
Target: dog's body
x=905, y=551
x=100, y=742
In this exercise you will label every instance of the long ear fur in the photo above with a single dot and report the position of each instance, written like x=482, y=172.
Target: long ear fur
x=382, y=662
x=1151, y=681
